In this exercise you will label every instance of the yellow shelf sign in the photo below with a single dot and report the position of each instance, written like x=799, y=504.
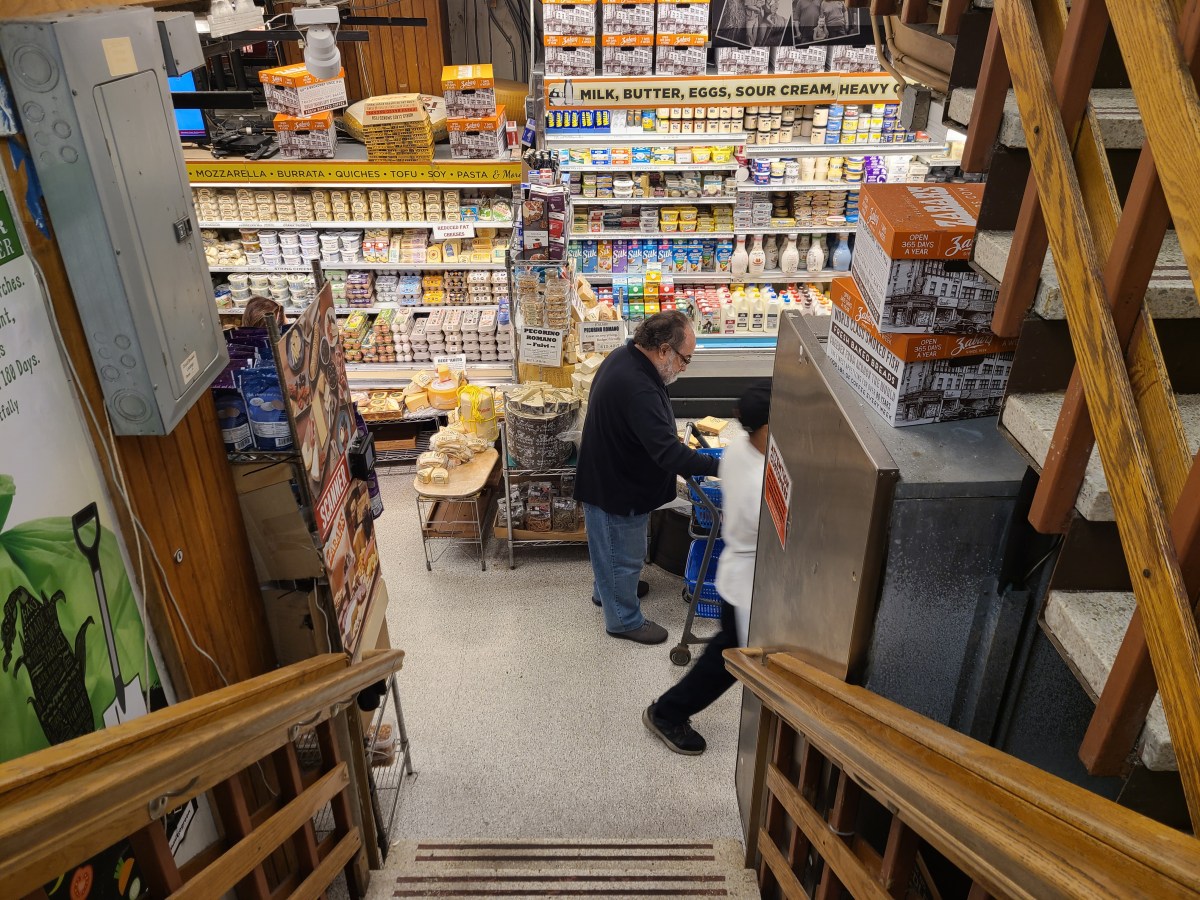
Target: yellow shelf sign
x=293, y=172
x=734, y=90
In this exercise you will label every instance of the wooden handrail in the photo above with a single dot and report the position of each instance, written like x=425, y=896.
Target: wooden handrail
x=68, y=802
x=1013, y=829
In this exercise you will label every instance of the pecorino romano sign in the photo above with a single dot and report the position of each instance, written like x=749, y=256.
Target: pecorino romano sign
x=614, y=92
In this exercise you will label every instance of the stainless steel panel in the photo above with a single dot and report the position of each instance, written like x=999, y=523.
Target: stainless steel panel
x=816, y=595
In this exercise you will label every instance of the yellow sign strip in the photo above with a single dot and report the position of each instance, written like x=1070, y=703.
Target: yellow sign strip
x=289, y=171
x=733, y=90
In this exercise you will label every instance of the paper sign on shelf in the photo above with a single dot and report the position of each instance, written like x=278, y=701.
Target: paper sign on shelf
x=777, y=491
x=542, y=346
x=601, y=337
x=444, y=231
x=456, y=362
x=611, y=92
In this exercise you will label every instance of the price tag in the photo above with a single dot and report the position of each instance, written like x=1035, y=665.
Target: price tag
x=445, y=231
x=601, y=337
x=457, y=363
x=542, y=346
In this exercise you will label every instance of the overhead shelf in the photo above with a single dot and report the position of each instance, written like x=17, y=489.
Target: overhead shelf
x=653, y=201
x=809, y=186
x=915, y=148
x=390, y=375
x=637, y=139
x=651, y=167
x=354, y=226
x=645, y=235
x=771, y=277
x=360, y=266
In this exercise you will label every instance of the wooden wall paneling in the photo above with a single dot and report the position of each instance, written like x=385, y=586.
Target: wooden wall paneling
x=182, y=491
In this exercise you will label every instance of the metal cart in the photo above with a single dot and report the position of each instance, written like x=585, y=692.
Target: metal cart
x=513, y=472
x=455, y=514
x=699, y=591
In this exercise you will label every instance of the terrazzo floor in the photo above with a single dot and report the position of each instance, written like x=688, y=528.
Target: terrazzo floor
x=524, y=716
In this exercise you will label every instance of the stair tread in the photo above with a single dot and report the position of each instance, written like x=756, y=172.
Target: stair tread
x=1029, y=421
x=1089, y=627
x=1116, y=111
x=588, y=867
x=1170, y=294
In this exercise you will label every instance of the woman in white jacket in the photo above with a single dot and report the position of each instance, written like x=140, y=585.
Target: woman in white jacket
x=742, y=465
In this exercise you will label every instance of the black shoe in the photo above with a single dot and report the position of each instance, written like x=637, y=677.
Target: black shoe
x=681, y=738
x=643, y=589
x=647, y=633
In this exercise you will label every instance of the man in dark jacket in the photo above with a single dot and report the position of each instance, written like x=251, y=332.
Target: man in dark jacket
x=628, y=460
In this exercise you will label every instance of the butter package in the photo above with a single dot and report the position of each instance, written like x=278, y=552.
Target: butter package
x=911, y=258
x=627, y=54
x=293, y=91
x=569, y=17
x=469, y=91
x=627, y=17
x=743, y=60
x=916, y=379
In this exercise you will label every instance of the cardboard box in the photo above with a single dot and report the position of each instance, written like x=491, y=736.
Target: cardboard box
x=469, y=91
x=563, y=17
x=298, y=630
x=844, y=58
x=574, y=62
x=915, y=379
x=293, y=91
x=478, y=137
x=743, y=60
x=627, y=17
x=677, y=55
x=798, y=60
x=392, y=109
x=683, y=17
x=911, y=254
x=308, y=137
x=627, y=54
x=280, y=544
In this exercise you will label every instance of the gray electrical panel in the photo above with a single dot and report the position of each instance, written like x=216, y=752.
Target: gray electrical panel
x=92, y=94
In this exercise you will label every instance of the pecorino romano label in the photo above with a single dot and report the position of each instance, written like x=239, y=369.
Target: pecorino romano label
x=914, y=347
x=921, y=221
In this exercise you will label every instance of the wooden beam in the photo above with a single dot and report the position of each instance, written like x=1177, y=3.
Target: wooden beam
x=842, y=818
x=235, y=816
x=987, y=113
x=1140, y=515
x=339, y=857
x=774, y=862
x=899, y=858
x=1080, y=37
x=914, y=12
x=951, y=16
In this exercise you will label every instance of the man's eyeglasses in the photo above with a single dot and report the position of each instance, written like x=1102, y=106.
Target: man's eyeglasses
x=687, y=360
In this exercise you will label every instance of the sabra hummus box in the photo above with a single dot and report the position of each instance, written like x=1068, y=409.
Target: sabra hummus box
x=911, y=254
x=916, y=379
x=291, y=90
x=469, y=91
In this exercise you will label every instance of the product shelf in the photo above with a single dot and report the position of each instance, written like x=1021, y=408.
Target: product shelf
x=797, y=229
x=370, y=310
x=638, y=139
x=731, y=166
x=915, y=148
x=646, y=235
x=510, y=470
x=365, y=266
x=792, y=188
x=771, y=277
x=654, y=201
x=398, y=374
x=353, y=226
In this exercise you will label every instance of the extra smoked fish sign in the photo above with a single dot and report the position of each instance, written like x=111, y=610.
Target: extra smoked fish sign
x=615, y=92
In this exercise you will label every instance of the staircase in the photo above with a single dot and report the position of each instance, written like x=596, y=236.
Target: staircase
x=561, y=868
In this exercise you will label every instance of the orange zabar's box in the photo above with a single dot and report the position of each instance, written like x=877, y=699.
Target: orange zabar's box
x=291, y=90
x=915, y=379
x=467, y=78
x=319, y=122
x=922, y=221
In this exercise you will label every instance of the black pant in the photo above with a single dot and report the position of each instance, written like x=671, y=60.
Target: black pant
x=707, y=680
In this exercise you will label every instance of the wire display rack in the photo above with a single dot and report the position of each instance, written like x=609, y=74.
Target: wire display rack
x=511, y=472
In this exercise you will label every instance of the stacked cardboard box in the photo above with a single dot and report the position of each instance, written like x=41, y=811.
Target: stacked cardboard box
x=308, y=137
x=396, y=128
x=478, y=128
x=627, y=37
x=682, y=37
x=911, y=328
x=292, y=91
x=569, y=37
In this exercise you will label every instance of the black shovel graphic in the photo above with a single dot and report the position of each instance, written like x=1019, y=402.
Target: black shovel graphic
x=130, y=702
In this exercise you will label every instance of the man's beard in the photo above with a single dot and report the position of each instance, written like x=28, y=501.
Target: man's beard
x=667, y=375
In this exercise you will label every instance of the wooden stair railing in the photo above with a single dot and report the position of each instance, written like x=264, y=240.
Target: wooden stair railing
x=1120, y=397
x=64, y=804
x=854, y=793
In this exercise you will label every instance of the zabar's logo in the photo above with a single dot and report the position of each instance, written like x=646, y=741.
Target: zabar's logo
x=966, y=346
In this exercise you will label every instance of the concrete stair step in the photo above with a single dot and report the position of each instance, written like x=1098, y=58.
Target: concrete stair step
x=1087, y=627
x=1029, y=421
x=1116, y=110
x=1170, y=294
x=578, y=868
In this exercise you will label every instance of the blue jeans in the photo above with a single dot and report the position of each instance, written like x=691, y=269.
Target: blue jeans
x=617, y=546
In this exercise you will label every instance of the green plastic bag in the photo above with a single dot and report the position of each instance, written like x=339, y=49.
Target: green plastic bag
x=57, y=678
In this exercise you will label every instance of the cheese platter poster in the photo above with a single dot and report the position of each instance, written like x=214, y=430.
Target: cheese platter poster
x=313, y=363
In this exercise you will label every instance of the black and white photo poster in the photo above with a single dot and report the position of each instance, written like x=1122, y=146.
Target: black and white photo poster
x=785, y=23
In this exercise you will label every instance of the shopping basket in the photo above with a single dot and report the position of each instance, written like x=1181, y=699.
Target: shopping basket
x=708, y=601
x=711, y=488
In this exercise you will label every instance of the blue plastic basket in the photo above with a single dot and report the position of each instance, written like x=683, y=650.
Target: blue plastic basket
x=709, y=604
x=711, y=489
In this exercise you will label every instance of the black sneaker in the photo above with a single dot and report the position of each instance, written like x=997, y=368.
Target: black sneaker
x=681, y=738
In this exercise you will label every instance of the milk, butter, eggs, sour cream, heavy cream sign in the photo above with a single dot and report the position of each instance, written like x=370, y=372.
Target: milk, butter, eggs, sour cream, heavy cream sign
x=614, y=92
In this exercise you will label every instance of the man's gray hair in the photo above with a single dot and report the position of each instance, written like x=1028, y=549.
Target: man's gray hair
x=669, y=327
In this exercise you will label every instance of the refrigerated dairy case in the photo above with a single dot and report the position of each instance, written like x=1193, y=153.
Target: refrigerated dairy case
x=878, y=547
